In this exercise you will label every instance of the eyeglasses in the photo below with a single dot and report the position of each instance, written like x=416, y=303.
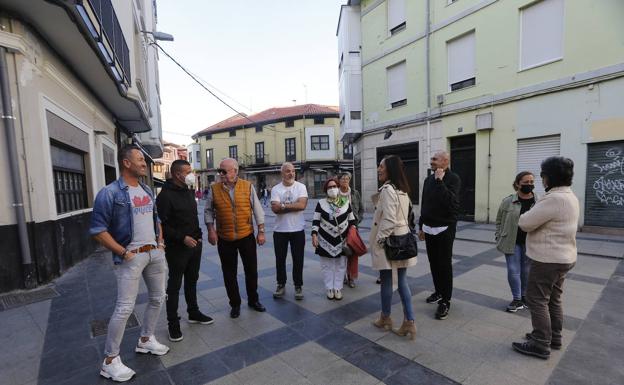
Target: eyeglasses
x=221, y=171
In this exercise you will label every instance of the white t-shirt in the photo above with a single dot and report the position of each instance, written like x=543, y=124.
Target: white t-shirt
x=143, y=218
x=293, y=221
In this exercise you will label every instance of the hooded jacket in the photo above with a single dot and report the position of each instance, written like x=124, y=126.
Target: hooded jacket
x=177, y=210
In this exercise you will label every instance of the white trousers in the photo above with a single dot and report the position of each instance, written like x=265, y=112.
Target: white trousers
x=333, y=270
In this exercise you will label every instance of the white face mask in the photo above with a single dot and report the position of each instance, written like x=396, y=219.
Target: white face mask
x=190, y=179
x=332, y=192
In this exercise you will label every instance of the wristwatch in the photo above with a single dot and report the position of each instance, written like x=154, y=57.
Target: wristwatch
x=283, y=206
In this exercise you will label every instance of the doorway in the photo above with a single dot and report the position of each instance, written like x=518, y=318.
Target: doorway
x=409, y=155
x=463, y=164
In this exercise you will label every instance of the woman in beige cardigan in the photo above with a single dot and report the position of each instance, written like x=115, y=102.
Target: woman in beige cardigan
x=551, y=244
x=392, y=206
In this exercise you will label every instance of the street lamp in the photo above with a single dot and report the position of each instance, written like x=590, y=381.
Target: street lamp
x=162, y=36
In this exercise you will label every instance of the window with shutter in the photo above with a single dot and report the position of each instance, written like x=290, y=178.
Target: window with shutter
x=396, y=16
x=541, y=33
x=461, y=62
x=397, y=84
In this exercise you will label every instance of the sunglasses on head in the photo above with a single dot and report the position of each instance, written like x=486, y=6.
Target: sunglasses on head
x=221, y=171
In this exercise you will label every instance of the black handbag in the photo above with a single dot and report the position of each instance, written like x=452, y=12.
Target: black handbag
x=402, y=247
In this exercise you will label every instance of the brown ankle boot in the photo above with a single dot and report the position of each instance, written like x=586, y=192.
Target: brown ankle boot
x=384, y=322
x=408, y=327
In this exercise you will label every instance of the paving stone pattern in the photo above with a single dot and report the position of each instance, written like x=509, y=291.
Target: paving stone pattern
x=317, y=341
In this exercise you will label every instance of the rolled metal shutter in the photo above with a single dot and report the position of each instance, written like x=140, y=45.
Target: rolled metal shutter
x=531, y=153
x=604, y=188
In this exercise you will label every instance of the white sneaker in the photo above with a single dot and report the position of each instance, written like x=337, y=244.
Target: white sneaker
x=151, y=346
x=338, y=294
x=330, y=294
x=116, y=370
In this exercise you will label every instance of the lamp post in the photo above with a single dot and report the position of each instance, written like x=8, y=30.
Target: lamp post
x=161, y=36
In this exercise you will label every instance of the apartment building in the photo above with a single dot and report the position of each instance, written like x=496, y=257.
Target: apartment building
x=79, y=79
x=306, y=135
x=500, y=85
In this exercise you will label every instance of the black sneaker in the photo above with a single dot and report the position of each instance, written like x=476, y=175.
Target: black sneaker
x=175, y=334
x=553, y=345
x=530, y=348
x=298, y=293
x=443, y=310
x=279, y=292
x=200, y=318
x=524, y=302
x=515, y=305
x=434, y=298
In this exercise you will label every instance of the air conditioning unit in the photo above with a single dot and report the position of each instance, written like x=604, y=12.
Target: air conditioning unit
x=484, y=122
x=440, y=99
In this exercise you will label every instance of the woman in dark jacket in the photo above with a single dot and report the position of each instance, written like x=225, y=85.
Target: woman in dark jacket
x=511, y=240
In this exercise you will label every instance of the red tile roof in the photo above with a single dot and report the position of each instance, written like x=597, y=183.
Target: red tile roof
x=272, y=114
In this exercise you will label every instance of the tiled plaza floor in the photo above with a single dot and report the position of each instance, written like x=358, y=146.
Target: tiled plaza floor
x=317, y=341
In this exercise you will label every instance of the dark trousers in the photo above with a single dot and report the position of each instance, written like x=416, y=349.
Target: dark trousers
x=439, y=252
x=543, y=297
x=297, y=248
x=184, y=263
x=228, y=254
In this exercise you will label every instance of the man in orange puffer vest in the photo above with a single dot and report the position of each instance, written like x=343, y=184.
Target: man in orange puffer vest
x=232, y=202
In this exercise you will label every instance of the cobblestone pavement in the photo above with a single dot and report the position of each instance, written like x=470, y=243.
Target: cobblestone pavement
x=317, y=341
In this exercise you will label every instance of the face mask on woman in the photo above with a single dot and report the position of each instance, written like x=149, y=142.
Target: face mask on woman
x=526, y=188
x=332, y=192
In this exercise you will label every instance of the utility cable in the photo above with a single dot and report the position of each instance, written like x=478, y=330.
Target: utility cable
x=238, y=113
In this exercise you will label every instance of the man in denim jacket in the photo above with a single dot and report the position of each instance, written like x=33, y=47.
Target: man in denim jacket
x=125, y=221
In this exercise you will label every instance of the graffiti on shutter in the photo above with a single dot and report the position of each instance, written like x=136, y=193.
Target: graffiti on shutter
x=604, y=191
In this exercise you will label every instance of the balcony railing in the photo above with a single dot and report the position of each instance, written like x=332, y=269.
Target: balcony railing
x=262, y=159
x=253, y=160
x=101, y=20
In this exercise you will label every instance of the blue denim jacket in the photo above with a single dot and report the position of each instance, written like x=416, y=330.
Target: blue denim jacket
x=112, y=212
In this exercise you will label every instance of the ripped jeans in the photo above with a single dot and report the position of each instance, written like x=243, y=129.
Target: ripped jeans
x=153, y=267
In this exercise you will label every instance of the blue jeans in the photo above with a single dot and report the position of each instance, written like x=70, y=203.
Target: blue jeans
x=404, y=292
x=518, y=265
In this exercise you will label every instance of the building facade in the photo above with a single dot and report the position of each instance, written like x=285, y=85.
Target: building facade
x=79, y=79
x=500, y=85
x=306, y=135
x=161, y=169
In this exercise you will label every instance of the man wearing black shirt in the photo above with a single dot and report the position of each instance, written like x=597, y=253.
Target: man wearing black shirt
x=438, y=219
x=177, y=210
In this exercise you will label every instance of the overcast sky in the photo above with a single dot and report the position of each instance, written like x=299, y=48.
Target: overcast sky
x=262, y=54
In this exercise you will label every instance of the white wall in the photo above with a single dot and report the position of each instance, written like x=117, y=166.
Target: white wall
x=193, y=148
x=320, y=154
x=597, y=116
x=350, y=73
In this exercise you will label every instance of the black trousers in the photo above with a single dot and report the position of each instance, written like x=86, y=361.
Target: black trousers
x=297, y=248
x=184, y=263
x=439, y=252
x=228, y=254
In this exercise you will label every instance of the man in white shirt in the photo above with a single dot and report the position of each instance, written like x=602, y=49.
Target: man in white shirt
x=288, y=200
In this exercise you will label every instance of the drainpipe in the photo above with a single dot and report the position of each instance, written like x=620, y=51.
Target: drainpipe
x=489, y=174
x=28, y=270
x=428, y=75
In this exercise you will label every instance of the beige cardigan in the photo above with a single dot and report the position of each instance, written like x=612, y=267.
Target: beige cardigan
x=551, y=227
x=388, y=219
